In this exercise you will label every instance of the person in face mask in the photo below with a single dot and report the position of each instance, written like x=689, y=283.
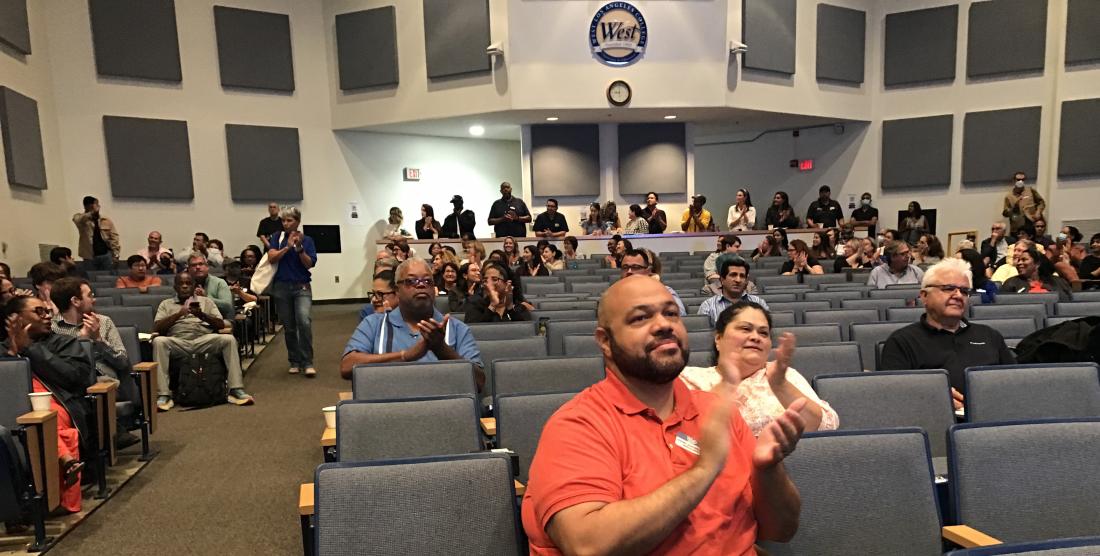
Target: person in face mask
x=865, y=215
x=1022, y=204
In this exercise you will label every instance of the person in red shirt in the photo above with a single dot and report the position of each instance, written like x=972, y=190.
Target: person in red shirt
x=638, y=463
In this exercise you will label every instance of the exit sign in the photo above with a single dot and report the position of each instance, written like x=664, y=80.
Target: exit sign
x=412, y=174
x=806, y=165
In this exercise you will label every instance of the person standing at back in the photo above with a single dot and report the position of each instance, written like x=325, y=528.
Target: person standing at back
x=742, y=215
x=460, y=223
x=292, y=290
x=98, y=236
x=270, y=225
x=1022, y=205
x=824, y=212
x=655, y=217
x=509, y=216
x=865, y=215
x=696, y=218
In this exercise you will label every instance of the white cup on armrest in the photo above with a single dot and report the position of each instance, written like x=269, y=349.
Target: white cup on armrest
x=40, y=401
x=330, y=416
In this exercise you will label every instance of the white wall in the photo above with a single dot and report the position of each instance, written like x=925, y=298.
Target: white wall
x=22, y=209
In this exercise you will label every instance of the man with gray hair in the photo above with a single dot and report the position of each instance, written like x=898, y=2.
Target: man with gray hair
x=943, y=339
x=414, y=331
x=899, y=268
x=209, y=285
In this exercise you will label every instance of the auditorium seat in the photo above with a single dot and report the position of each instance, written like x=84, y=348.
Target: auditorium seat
x=567, y=305
x=112, y=292
x=145, y=377
x=546, y=374
x=1037, y=391
x=580, y=344
x=142, y=300
x=1047, y=299
x=531, y=288
x=816, y=280
x=685, y=285
x=586, y=278
x=138, y=317
x=896, y=293
x=565, y=314
x=29, y=482
x=1078, y=309
x=797, y=289
x=388, y=381
x=1093, y=295
x=818, y=359
x=1027, y=481
x=520, y=419
x=1036, y=311
x=865, y=492
x=847, y=286
x=455, y=504
x=800, y=307
x=809, y=334
x=893, y=399
x=503, y=330
x=409, y=427
x=557, y=329
x=904, y=314
x=881, y=304
x=843, y=317
x=780, y=297
x=1053, y=321
x=492, y=350
x=591, y=288
x=868, y=334
x=105, y=301
x=783, y=318
x=834, y=297
x=693, y=322
x=1009, y=327
x=767, y=280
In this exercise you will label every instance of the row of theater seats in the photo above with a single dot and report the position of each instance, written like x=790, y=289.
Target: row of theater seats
x=29, y=472
x=865, y=490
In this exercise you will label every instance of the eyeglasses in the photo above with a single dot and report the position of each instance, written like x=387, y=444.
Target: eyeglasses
x=950, y=288
x=378, y=294
x=41, y=311
x=634, y=267
x=418, y=282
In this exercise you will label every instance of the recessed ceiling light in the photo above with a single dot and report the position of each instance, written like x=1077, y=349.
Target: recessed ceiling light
x=552, y=119
x=670, y=117
x=477, y=131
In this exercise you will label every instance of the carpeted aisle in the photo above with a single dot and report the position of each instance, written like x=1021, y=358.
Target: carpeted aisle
x=226, y=480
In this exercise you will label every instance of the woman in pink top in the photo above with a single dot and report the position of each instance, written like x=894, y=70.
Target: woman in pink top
x=764, y=389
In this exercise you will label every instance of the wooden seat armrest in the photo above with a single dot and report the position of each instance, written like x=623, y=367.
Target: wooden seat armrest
x=968, y=537
x=41, y=427
x=36, y=417
x=328, y=438
x=305, y=499
x=146, y=367
x=489, y=425
x=520, y=488
x=102, y=388
x=345, y=396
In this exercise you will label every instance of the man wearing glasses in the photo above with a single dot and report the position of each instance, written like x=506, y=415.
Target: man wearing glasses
x=898, y=269
x=414, y=331
x=208, y=285
x=943, y=339
x=636, y=261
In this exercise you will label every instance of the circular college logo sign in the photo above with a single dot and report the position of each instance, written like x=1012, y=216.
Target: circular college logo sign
x=618, y=34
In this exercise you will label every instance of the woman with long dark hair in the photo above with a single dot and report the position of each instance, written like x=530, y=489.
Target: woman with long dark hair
x=821, y=248
x=768, y=248
x=913, y=225
x=427, y=227
x=511, y=251
x=742, y=215
x=781, y=214
x=532, y=263
x=980, y=282
x=1036, y=275
x=591, y=223
x=469, y=285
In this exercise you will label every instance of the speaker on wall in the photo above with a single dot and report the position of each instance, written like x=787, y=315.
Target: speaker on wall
x=265, y=163
x=14, y=28
x=254, y=50
x=366, y=48
x=22, y=136
x=148, y=159
x=136, y=38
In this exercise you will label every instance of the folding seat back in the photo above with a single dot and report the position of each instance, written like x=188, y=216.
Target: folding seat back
x=556, y=331
x=389, y=381
x=800, y=307
x=567, y=305
x=411, y=427
x=834, y=297
x=503, y=330
x=1048, y=300
x=581, y=344
x=520, y=419
x=881, y=304
x=844, y=317
x=591, y=288
x=810, y=334
x=870, y=334
x=817, y=280
x=1040, y=391
x=1010, y=328
x=1036, y=311
x=838, y=358
x=492, y=350
x=1077, y=309
x=546, y=374
x=565, y=314
x=138, y=317
x=531, y=287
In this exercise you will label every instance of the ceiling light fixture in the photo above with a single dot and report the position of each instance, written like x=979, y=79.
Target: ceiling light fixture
x=552, y=118
x=477, y=130
x=670, y=117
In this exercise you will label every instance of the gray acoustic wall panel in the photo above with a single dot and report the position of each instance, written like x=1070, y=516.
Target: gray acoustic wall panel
x=1006, y=36
x=136, y=38
x=997, y=143
x=265, y=163
x=920, y=46
x=768, y=27
x=22, y=136
x=652, y=158
x=841, y=43
x=14, y=29
x=148, y=159
x=254, y=49
x=1080, y=138
x=456, y=33
x=366, y=48
x=565, y=160
x=1082, y=38
x=916, y=152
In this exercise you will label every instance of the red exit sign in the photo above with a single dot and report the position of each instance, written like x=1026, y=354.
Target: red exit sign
x=806, y=165
x=412, y=174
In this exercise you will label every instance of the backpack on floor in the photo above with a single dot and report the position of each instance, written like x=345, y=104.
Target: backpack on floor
x=202, y=379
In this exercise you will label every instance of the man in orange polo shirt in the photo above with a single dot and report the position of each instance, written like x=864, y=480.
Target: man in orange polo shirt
x=638, y=463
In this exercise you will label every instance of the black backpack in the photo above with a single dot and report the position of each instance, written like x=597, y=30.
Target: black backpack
x=202, y=379
x=1073, y=341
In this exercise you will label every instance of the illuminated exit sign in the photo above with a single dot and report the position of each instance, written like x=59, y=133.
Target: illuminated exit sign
x=806, y=165
x=412, y=174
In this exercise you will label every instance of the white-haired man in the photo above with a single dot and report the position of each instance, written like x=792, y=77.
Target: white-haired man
x=943, y=339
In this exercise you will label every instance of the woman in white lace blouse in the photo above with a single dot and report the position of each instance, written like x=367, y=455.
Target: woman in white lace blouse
x=764, y=389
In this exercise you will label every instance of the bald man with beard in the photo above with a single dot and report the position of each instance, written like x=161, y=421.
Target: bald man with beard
x=638, y=463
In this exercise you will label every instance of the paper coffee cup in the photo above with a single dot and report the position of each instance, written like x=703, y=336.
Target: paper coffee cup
x=40, y=401
x=330, y=416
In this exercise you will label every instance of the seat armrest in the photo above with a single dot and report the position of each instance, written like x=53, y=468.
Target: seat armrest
x=968, y=537
x=41, y=427
x=106, y=394
x=489, y=426
x=344, y=396
x=305, y=499
x=520, y=488
x=328, y=437
x=102, y=388
x=146, y=372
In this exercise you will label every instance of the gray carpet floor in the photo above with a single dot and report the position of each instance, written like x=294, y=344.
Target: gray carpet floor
x=226, y=480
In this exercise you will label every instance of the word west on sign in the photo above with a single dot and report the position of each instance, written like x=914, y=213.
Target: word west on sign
x=412, y=174
x=618, y=34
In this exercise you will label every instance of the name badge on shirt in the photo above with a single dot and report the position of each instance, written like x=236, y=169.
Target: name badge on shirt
x=687, y=443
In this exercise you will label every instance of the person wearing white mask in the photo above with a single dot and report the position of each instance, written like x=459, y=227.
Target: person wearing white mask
x=865, y=215
x=1022, y=204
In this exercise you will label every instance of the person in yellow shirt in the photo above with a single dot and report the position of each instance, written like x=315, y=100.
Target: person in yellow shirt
x=696, y=218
